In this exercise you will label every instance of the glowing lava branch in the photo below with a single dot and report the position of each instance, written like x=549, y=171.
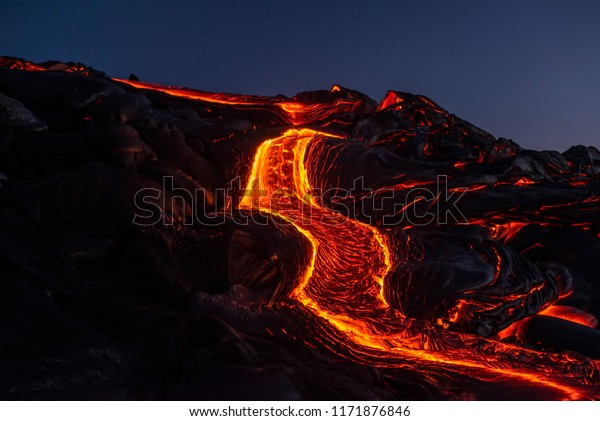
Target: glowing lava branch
x=294, y=112
x=215, y=98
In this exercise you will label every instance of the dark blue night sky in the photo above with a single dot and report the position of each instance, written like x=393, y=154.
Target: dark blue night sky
x=525, y=70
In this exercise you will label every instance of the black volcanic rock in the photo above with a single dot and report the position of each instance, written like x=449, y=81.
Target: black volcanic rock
x=14, y=115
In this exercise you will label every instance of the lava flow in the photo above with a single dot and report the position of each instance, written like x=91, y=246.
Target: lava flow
x=344, y=282
x=450, y=303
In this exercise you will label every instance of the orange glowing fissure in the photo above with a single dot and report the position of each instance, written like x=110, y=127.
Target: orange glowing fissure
x=349, y=261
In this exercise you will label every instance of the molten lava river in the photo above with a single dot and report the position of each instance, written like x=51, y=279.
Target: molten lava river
x=343, y=285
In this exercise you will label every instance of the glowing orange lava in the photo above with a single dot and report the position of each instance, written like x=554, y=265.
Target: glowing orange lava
x=571, y=314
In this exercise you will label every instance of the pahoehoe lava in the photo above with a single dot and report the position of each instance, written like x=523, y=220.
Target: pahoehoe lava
x=318, y=296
